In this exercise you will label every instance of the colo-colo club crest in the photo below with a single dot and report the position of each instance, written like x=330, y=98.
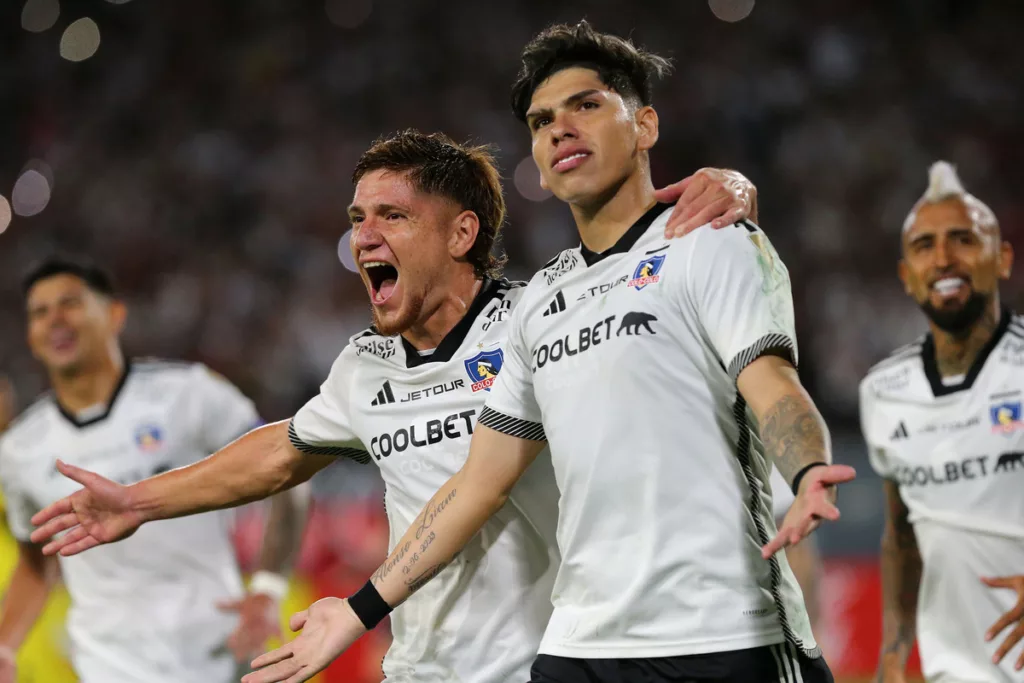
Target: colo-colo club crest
x=483, y=368
x=646, y=272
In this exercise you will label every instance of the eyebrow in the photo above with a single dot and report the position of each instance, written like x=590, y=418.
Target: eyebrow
x=568, y=102
x=379, y=208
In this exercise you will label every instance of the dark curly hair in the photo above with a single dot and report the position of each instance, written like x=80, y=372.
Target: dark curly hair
x=437, y=165
x=623, y=67
x=95, y=278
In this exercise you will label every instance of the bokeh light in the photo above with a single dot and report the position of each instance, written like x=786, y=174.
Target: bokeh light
x=39, y=15
x=731, y=10
x=5, y=213
x=31, y=193
x=345, y=252
x=80, y=41
x=348, y=13
x=527, y=181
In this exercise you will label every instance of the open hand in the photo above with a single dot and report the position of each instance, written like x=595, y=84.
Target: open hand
x=711, y=195
x=1015, y=618
x=102, y=512
x=814, y=502
x=328, y=628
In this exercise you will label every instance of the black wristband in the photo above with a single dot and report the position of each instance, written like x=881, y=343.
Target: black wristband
x=369, y=606
x=800, y=475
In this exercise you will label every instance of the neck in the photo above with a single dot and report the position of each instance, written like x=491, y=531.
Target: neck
x=443, y=315
x=956, y=353
x=89, y=385
x=603, y=221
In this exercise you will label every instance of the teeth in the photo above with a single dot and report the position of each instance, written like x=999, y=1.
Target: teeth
x=578, y=155
x=375, y=264
x=948, y=284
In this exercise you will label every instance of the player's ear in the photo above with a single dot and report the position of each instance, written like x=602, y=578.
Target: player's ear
x=1005, y=260
x=463, y=234
x=647, y=127
x=118, y=315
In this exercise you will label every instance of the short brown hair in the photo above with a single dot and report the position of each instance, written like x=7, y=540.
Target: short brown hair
x=623, y=67
x=437, y=165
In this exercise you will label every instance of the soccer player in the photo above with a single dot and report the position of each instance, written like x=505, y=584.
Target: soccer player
x=643, y=363
x=943, y=422
x=145, y=611
x=405, y=395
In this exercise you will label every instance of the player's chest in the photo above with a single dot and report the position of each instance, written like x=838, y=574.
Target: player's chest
x=974, y=442
x=612, y=315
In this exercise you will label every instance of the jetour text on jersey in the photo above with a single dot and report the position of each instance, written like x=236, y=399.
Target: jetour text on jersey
x=434, y=431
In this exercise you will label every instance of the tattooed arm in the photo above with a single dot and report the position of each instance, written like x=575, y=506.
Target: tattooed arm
x=901, y=578
x=794, y=436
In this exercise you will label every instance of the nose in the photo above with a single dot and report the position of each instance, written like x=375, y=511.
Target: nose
x=562, y=128
x=367, y=235
x=943, y=255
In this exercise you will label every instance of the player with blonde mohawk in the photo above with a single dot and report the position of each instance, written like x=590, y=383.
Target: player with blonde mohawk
x=943, y=421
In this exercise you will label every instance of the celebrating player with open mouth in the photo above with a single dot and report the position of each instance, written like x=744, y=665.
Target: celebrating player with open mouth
x=942, y=419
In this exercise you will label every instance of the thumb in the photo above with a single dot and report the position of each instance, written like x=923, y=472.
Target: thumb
x=298, y=620
x=837, y=474
x=84, y=477
x=671, y=193
x=997, y=582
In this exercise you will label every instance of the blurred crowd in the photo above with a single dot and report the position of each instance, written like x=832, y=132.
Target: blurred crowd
x=204, y=153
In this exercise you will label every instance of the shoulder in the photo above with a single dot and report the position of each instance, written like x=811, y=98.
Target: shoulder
x=160, y=371
x=372, y=342
x=742, y=236
x=29, y=428
x=893, y=373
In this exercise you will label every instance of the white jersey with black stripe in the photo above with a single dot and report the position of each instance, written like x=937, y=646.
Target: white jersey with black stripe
x=481, y=619
x=956, y=451
x=627, y=362
x=143, y=609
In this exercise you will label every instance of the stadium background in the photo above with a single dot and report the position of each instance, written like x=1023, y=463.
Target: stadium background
x=203, y=150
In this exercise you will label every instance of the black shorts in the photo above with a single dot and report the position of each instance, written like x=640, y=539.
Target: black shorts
x=782, y=663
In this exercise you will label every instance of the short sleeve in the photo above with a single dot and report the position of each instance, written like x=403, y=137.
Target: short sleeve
x=512, y=407
x=876, y=454
x=225, y=412
x=18, y=507
x=742, y=294
x=323, y=426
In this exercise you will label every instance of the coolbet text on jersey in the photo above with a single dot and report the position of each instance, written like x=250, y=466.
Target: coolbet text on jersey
x=143, y=609
x=627, y=362
x=481, y=619
x=956, y=452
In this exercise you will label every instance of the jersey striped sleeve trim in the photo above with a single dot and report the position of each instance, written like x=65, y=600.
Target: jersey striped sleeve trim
x=360, y=456
x=513, y=426
x=768, y=343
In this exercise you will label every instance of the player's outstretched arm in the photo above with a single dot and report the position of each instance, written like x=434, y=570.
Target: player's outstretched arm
x=901, y=579
x=711, y=195
x=796, y=438
x=252, y=467
x=451, y=518
x=33, y=579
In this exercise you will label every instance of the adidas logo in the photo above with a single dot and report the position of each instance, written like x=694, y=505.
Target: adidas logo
x=557, y=304
x=900, y=433
x=384, y=396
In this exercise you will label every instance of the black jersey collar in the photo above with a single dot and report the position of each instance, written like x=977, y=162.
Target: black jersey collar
x=931, y=368
x=110, y=404
x=627, y=240
x=490, y=289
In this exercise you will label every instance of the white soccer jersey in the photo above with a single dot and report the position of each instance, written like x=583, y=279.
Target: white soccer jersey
x=957, y=454
x=627, y=362
x=481, y=619
x=142, y=610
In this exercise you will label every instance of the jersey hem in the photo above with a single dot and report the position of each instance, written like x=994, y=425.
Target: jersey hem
x=676, y=649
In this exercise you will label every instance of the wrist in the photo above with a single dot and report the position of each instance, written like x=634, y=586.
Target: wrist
x=369, y=606
x=269, y=583
x=798, y=480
